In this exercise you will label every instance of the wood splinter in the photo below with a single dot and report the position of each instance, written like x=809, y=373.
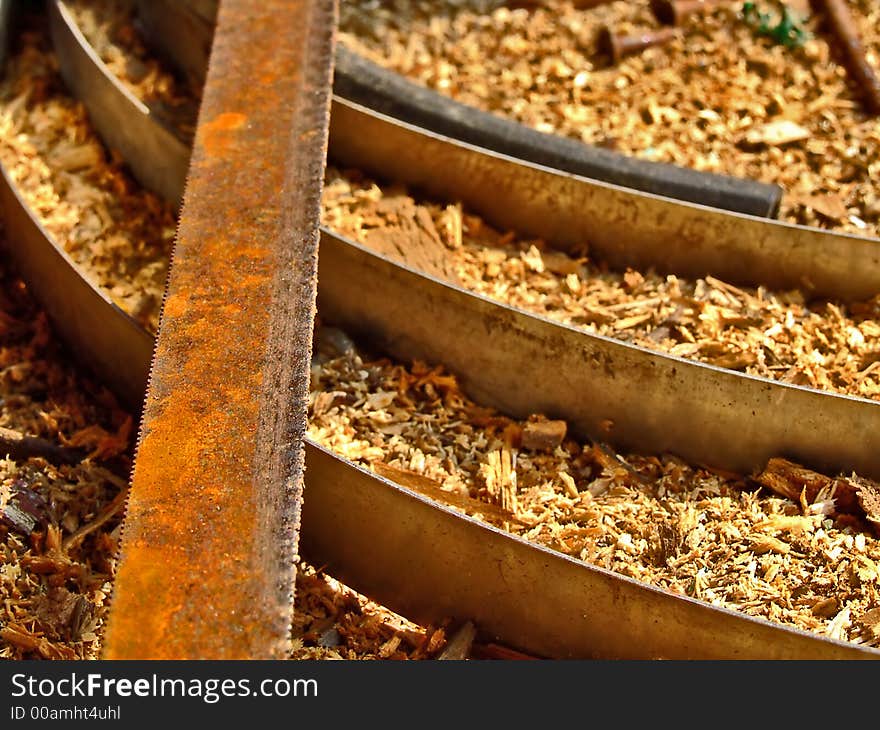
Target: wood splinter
x=616, y=46
x=19, y=447
x=842, y=27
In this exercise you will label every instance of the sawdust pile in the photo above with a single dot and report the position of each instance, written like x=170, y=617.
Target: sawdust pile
x=774, y=334
x=717, y=538
x=55, y=579
x=720, y=99
x=108, y=25
x=331, y=621
x=119, y=234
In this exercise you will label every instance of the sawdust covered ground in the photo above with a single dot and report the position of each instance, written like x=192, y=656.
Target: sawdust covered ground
x=55, y=581
x=720, y=538
x=719, y=99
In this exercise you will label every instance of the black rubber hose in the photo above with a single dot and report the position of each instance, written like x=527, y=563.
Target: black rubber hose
x=389, y=93
x=364, y=82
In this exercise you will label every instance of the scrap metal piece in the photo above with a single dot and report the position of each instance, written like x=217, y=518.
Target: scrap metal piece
x=428, y=562
x=637, y=399
x=158, y=158
x=211, y=535
x=844, y=30
x=616, y=46
x=622, y=227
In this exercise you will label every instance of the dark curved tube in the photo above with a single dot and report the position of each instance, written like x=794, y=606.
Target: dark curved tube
x=372, y=86
x=5, y=24
x=181, y=32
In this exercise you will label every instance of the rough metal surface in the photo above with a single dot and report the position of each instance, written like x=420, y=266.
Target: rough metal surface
x=636, y=399
x=210, y=540
x=622, y=226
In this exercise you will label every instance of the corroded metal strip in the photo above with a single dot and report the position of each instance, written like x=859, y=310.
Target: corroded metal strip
x=210, y=541
x=624, y=227
x=430, y=563
x=155, y=154
x=634, y=398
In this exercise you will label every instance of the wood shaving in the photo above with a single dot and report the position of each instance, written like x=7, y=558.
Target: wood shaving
x=55, y=581
x=656, y=519
x=719, y=99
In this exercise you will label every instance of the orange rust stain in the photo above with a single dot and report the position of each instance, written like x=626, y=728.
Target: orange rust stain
x=175, y=305
x=217, y=134
x=155, y=617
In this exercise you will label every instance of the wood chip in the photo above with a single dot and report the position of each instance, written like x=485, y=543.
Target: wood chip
x=460, y=643
x=543, y=435
x=777, y=133
x=790, y=480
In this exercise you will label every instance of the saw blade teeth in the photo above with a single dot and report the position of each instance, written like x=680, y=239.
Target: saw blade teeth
x=208, y=422
x=290, y=517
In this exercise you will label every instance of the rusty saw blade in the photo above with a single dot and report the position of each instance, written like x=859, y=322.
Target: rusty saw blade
x=207, y=561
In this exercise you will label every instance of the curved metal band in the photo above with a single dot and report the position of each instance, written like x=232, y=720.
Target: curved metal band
x=430, y=563
x=624, y=227
x=181, y=31
x=96, y=330
x=522, y=364
x=157, y=157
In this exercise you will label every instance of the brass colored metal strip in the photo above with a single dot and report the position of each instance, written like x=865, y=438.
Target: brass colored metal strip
x=637, y=399
x=430, y=563
x=158, y=158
